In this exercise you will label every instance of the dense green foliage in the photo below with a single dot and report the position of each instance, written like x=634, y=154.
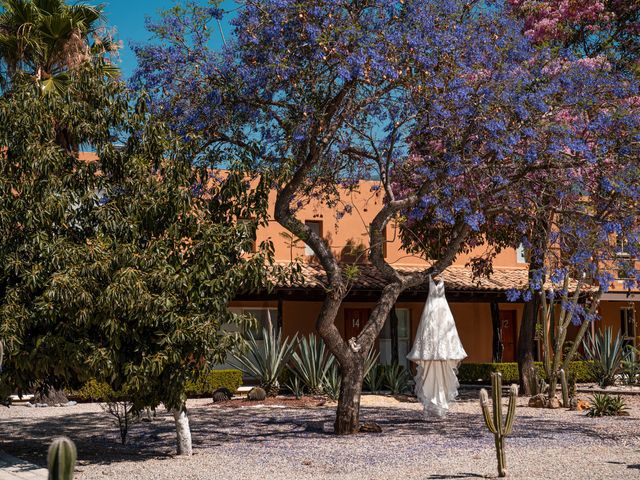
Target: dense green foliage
x=481, y=372
x=205, y=383
x=118, y=268
x=209, y=381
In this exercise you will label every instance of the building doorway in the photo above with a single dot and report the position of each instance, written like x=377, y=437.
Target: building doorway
x=354, y=321
x=508, y=333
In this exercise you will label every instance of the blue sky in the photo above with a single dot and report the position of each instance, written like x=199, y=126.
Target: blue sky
x=128, y=18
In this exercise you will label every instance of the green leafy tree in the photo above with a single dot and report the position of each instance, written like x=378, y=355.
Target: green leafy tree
x=119, y=267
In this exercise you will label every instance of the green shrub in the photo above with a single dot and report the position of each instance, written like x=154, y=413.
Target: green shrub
x=211, y=380
x=204, y=386
x=604, y=405
x=92, y=391
x=481, y=372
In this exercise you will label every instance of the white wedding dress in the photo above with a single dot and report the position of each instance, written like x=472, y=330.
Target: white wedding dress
x=437, y=351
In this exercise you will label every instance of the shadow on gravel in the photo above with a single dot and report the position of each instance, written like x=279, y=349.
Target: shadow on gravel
x=97, y=438
x=459, y=475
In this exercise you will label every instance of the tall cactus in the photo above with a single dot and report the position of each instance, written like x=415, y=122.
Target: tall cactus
x=493, y=418
x=565, y=388
x=61, y=459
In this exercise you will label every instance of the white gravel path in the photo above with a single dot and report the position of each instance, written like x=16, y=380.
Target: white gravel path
x=277, y=443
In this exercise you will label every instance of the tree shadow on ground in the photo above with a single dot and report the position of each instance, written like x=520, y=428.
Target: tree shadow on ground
x=97, y=438
x=456, y=475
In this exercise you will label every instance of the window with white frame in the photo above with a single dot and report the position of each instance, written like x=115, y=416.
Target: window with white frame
x=316, y=227
x=521, y=254
x=262, y=316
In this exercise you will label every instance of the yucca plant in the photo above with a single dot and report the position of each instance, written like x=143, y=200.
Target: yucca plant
x=396, y=378
x=605, y=405
x=606, y=354
x=311, y=363
x=266, y=360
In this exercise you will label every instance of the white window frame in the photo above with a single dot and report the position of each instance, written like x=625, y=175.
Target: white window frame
x=402, y=360
x=308, y=251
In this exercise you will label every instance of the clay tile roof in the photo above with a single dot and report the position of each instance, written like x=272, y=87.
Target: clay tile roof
x=456, y=278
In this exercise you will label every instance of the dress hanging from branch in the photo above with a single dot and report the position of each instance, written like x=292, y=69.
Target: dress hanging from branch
x=437, y=351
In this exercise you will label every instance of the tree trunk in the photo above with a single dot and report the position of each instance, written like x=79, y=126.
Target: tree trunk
x=348, y=412
x=183, y=432
x=526, y=343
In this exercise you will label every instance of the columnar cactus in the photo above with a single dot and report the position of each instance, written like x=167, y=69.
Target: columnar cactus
x=565, y=388
x=493, y=418
x=61, y=459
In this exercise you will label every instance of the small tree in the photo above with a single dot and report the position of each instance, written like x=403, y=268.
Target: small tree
x=120, y=268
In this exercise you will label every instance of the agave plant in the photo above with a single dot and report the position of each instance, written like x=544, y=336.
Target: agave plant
x=604, y=405
x=332, y=379
x=266, y=360
x=631, y=366
x=332, y=382
x=375, y=379
x=396, y=378
x=312, y=363
x=371, y=360
x=606, y=354
x=296, y=387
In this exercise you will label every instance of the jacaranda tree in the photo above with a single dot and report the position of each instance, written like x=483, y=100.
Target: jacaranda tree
x=599, y=34
x=593, y=28
x=447, y=103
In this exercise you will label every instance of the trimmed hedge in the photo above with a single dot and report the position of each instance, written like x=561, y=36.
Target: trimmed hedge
x=211, y=380
x=481, y=372
x=203, y=386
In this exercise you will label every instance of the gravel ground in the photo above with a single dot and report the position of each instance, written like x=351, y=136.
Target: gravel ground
x=289, y=443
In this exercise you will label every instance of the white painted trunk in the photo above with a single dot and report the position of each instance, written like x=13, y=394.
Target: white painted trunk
x=183, y=433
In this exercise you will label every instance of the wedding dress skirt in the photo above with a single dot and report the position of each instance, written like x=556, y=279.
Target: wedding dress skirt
x=437, y=351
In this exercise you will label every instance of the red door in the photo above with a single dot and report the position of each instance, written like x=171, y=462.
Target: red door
x=508, y=330
x=354, y=321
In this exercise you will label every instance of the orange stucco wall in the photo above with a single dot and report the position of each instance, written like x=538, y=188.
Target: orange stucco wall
x=352, y=230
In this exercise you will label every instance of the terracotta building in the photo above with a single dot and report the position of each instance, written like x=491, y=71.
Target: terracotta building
x=480, y=307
